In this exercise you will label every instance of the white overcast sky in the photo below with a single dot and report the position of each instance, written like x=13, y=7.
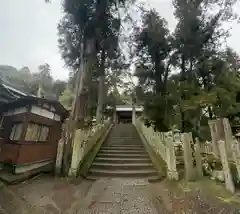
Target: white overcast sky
x=28, y=35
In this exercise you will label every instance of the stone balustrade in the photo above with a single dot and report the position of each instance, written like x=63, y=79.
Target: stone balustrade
x=206, y=148
x=84, y=141
x=154, y=139
x=163, y=146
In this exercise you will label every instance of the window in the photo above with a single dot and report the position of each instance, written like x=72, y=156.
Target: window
x=37, y=132
x=16, y=131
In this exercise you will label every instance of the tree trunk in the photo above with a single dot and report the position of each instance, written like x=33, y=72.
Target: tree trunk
x=101, y=89
x=210, y=112
x=101, y=92
x=71, y=124
x=165, y=79
x=207, y=89
x=183, y=97
x=80, y=89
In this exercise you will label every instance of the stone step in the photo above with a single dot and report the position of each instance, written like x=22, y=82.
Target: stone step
x=122, y=160
x=123, y=155
x=121, y=166
x=131, y=137
x=122, y=139
x=151, y=179
x=109, y=147
x=120, y=151
x=124, y=144
x=111, y=155
x=123, y=173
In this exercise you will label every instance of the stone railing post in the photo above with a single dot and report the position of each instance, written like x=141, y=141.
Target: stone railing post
x=226, y=169
x=221, y=130
x=198, y=158
x=58, y=165
x=228, y=136
x=236, y=156
x=83, y=142
x=171, y=160
x=188, y=158
x=77, y=152
x=214, y=135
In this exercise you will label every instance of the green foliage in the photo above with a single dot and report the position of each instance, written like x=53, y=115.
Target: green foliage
x=96, y=24
x=152, y=50
x=58, y=88
x=66, y=98
x=207, y=83
x=29, y=83
x=88, y=19
x=153, y=53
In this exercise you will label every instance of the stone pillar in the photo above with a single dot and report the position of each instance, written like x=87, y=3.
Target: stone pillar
x=214, y=135
x=171, y=160
x=226, y=169
x=77, y=153
x=221, y=130
x=188, y=158
x=236, y=156
x=133, y=115
x=228, y=136
x=198, y=158
x=58, y=165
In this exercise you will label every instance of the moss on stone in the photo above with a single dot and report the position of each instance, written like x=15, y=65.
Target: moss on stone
x=159, y=164
x=89, y=158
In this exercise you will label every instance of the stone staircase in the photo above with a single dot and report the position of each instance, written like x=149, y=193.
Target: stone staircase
x=122, y=155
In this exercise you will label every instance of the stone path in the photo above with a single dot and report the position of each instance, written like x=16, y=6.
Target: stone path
x=44, y=194
x=118, y=196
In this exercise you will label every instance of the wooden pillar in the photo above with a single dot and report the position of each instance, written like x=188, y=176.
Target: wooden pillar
x=133, y=115
x=115, y=116
x=25, y=124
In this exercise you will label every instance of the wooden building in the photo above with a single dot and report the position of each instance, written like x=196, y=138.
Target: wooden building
x=126, y=113
x=31, y=128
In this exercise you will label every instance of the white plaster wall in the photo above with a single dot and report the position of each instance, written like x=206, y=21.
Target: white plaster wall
x=57, y=117
x=44, y=113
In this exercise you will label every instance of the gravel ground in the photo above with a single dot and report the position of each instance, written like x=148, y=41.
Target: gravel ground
x=199, y=197
x=117, y=196
x=44, y=194
x=50, y=195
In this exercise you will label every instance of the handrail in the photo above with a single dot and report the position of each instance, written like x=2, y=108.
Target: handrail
x=163, y=145
x=84, y=141
x=154, y=139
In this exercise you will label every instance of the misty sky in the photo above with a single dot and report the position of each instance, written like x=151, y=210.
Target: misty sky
x=28, y=35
